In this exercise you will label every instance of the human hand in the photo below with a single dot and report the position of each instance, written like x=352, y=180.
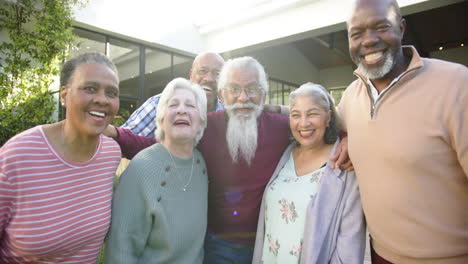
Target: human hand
x=341, y=158
x=279, y=109
x=111, y=131
x=272, y=108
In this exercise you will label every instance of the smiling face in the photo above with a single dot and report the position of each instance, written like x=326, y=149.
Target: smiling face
x=91, y=98
x=181, y=121
x=242, y=96
x=375, y=31
x=205, y=72
x=308, y=121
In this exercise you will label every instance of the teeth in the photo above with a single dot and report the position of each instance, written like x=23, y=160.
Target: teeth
x=306, y=132
x=373, y=56
x=206, y=88
x=181, y=122
x=97, y=114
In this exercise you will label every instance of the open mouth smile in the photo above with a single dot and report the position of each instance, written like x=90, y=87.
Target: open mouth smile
x=181, y=123
x=97, y=114
x=306, y=133
x=374, y=57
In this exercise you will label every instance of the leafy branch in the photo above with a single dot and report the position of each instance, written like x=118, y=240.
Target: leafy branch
x=39, y=35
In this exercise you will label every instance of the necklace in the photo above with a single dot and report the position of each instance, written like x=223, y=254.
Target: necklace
x=184, y=187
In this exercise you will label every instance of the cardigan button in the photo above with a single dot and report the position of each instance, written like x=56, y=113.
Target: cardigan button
x=168, y=168
x=198, y=161
x=158, y=199
x=204, y=171
x=163, y=183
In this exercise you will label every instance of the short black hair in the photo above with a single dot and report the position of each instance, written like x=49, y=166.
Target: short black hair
x=70, y=66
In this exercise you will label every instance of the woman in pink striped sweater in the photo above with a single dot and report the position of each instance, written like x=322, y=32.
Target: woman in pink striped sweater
x=56, y=179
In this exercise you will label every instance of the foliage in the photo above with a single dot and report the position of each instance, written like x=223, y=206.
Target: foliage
x=121, y=117
x=39, y=34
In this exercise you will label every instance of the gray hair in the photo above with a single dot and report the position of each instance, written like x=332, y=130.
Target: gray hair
x=166, y=95
x=323, y=98
x=243, y=63
x=70, y=66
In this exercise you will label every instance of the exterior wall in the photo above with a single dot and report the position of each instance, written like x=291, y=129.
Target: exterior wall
x=167, y=23
x=171, y=23
x=337, y=77
x=286, y=64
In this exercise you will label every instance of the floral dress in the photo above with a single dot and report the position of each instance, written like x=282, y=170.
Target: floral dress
x=286, y=202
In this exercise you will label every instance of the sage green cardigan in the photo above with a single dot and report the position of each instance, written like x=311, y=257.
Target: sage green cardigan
x=153, y=219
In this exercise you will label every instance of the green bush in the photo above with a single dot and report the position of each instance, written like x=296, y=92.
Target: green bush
x=39, y=36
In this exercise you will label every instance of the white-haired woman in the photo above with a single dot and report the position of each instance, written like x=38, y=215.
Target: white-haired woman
x=159, y=212
x=311, y=213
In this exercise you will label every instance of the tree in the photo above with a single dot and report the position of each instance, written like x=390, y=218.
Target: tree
x=39, y=37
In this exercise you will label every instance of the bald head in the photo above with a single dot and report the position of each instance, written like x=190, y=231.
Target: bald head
x=207, y=55
x=390, y=6
x=205, y=71
x=375, y=32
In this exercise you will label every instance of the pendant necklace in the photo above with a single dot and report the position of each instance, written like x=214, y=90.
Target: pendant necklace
x=184, y=187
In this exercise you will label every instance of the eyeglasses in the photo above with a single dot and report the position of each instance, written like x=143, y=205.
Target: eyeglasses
x=251, y=92
x=205, y=71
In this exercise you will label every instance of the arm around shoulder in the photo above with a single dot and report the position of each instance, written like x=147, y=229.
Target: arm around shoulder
x=131, y=143
x=457, y=114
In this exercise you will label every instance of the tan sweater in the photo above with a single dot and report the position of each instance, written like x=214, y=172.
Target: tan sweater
x=411, y=160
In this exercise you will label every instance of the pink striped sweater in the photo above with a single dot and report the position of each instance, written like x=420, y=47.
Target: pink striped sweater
x=53, y=210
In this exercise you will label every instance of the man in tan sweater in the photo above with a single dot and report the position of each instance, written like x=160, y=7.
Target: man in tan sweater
x=407, y=123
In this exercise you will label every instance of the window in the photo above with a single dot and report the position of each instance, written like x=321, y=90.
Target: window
x=279, y=92
x=182, y=66
x=143, y=70
x=157, y=71
x=87, y=41
x=126, y=57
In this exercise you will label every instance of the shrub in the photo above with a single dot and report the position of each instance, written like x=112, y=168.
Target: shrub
x=39, y=36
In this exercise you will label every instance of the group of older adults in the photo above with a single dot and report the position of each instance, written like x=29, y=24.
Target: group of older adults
x=243, y=185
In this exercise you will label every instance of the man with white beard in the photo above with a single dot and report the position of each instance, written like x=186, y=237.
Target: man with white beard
x=241, y=147
x=243, y=107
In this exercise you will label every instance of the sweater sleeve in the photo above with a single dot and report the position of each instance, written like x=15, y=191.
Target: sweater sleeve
x=351, y=240
x=131, y=143
x=131, y=221
x=6, y=200
x=7, y=192
x=458, y=119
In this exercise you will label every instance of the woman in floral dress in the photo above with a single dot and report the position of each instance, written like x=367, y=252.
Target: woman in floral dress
x=310, y=212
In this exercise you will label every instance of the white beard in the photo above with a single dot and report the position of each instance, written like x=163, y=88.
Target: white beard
x=380, y=72
x=242, y=133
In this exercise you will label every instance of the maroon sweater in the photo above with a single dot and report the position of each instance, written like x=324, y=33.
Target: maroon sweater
x=235, y=189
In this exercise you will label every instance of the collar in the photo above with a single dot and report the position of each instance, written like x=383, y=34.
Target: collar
x=218, y=106
x=375, y=93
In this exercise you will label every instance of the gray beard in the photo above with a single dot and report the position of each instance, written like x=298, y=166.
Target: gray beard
x=242, y=134
x=382, y=71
